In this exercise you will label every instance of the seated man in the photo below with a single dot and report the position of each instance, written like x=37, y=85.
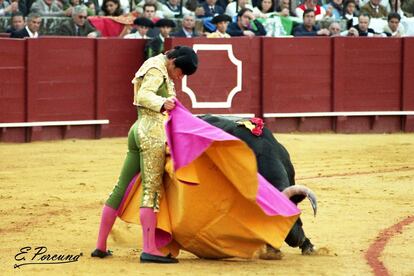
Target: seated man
x=374, y=9
x=334, y=29
x=308, y=28
x=188, y=28
x=362, y=28
x=32, y=28
x=210, y=9
x=246, y=25
x=311, y=5
x=79, y=25
x=221, y=21
x=49, y=8
x=17, y=23
x=172, y=8
x=143, y=25
x=394, y=28
x=150, y=9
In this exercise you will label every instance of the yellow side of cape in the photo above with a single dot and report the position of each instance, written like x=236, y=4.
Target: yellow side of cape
x=217, y=215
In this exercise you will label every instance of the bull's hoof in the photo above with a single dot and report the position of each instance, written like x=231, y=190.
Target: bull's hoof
x=270, y=253
x=307, y=248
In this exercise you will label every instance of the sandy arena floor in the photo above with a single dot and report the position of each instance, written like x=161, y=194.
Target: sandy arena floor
x=51, y=195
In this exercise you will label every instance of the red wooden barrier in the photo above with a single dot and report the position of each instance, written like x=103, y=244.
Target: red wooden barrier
x=117, y=62
x=367, y=77
x=297, y=77
x=216, y=85
x=61, y=85
x=65, y=79
x=12, y=88
x=408, y=82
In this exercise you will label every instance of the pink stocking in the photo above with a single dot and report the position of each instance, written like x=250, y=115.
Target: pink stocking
x=149, y=223
x=107, y=221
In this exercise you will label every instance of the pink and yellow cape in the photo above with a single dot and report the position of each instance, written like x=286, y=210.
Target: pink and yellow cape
x=215, y=204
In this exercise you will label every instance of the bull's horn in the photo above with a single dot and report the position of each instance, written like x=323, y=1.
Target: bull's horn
x=299, y=190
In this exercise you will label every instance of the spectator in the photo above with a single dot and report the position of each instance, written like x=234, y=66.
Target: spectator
x=246, y=25
x=224, y=3
x=284, y=8
x=334, y=29
x=22, y=6
x=349, y=10
x=7, y=9
x=121, y=7
x=210, y=9
x=334, y=9
x=70, y=3
x=172, y=9
x=155, y=46
x=374, y=9
x=385, y=3
x=125, y=6
x=142, y=26
x=358, y=6
x=235, y=7
x=193, y=5
x=264, y=9
x=349, y=13
x=95, y=5
x=408, y=7
x=150, y=14
x=187, y=29
x=17, y=22
x=393, y=28
x=149, y=11
x=91, y=8
x=308, y=28
x=221, y=21
x=312, y=5
x=49, y=8
x=31, y=29
x=79, y=25
x=362, y=28
x=13, y=6
x=396, y=3
x=111, y=8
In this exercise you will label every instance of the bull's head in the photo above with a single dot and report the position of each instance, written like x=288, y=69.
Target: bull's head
x=297, y=193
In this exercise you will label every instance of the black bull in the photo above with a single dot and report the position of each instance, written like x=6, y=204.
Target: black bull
x=273, y=163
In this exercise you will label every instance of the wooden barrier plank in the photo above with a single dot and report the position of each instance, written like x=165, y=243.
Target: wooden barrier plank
x=61, y=83
x=297, y=77
x=367, y=77
x=115, y=71
x=12, y=87
x=408, y=82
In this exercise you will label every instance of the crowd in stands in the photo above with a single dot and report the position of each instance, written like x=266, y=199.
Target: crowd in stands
x=155, y=20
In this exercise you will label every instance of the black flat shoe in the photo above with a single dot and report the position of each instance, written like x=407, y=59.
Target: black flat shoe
x=149, y=258
x=101, y=254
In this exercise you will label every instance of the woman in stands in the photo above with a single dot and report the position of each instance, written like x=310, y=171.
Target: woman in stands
x=111, y=8
x=264, y=9
x=349, y=12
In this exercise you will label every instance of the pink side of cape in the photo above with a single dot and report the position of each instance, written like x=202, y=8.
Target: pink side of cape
x=188, y=137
